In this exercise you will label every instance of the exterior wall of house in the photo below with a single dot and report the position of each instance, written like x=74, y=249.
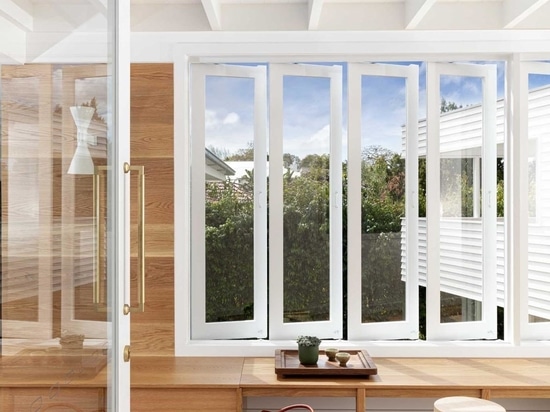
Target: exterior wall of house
x=461, y=251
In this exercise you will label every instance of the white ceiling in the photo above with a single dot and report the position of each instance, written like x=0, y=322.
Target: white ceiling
x=302, y=15
x=42, y=30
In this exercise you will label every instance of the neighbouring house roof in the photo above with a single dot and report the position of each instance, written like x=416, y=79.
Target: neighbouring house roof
x=216, y=168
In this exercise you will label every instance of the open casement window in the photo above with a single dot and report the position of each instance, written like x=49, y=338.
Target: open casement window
x=305, y=248
x=228, y=203
x=534, y=174
x=382, y=256
x=461, y=298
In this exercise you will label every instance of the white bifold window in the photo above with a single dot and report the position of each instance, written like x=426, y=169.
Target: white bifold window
x=461, y=205
x=533, y=200
x=305, y=216
x=365, y=201
x=382, y=181
x=228, y=206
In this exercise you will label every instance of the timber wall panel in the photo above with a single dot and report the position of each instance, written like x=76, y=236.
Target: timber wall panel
x=152, y=141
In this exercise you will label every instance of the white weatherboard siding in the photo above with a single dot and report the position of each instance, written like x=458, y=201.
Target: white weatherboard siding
x=461, y=252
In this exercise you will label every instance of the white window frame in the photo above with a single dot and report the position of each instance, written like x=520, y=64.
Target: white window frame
x=257, y=327
x=529, y=330
x=331, y=328
x=486, y=328
x=511, y=46
x=407, y=328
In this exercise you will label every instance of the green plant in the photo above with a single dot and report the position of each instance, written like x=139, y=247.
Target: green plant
x=308, y=341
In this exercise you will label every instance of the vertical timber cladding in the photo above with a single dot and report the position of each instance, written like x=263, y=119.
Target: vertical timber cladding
x=152, y=145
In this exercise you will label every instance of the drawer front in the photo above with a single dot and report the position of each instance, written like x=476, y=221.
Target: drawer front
x=219, y=400
x=53, y=399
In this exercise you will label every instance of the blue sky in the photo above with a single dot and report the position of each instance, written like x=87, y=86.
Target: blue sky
x=229, y=108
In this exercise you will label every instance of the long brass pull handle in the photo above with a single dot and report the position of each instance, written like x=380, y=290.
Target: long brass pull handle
x=141, y=239
x=99, y=269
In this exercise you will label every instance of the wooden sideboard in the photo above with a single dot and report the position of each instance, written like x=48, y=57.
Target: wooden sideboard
x=221, y=384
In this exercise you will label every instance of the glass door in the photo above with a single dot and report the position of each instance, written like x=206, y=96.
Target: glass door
x=64, y=119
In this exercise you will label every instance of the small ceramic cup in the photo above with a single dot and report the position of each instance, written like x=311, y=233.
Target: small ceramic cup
x=343, y=358
x=331, y=353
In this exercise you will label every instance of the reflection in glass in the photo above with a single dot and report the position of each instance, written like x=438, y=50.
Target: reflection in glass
x=24, y=301
x=538, y=189
x=461, y=228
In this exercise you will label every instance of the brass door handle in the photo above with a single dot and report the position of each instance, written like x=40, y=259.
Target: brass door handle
x=99, y=270
x=99, y=252
x=140, y=238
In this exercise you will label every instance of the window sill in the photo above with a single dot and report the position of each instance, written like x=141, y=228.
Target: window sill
x=398, y=349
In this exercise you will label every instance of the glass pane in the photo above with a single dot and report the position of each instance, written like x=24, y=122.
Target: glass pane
x=306, y=142
x=461, y=242
x=55, y=120
x=383, y=106
x=538, y=192
x=86, y=92
x=21, y=293
x=229, y=201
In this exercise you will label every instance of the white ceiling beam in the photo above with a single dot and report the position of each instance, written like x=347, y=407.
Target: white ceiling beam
x=100, y=6
x=415, y=11
x=11, y=11
x=515, y=11
x=315, y=8
x=212, y=8
x=13, y=43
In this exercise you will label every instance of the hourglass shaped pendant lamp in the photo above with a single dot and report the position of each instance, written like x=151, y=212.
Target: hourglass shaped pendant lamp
x=82, y=163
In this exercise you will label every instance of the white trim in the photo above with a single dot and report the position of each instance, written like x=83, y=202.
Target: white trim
x=407, y=328
x=348, y=46
x=381, y=348
x=182, y=197
x=331, y=328
x=513, y=241
x=228, y=47
x=118, y=391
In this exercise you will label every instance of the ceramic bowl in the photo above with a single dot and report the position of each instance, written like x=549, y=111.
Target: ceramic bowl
x=331, y=353
x=343, y=358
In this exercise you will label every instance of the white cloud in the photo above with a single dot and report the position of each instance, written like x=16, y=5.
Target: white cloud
x=231, y=118
x=211, y=120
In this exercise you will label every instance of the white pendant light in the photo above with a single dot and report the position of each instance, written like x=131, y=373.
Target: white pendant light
x=82, y=163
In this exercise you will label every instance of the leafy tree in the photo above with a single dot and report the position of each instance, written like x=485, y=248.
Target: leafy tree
x=383, y=202
x=448, y=106
x=229, y=243
x=246, y=154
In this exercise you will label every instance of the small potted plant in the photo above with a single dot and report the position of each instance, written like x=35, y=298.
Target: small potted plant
x=308, y=349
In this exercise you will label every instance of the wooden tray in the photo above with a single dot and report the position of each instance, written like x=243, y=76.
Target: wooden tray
x=359, y=364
